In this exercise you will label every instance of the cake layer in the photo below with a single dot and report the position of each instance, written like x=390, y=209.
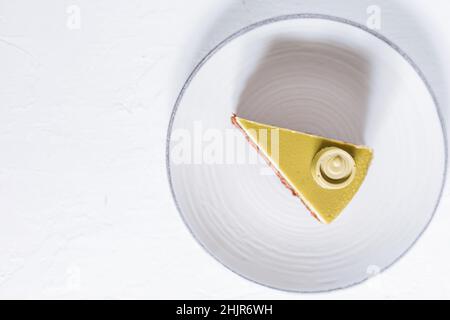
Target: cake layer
x=324, y=173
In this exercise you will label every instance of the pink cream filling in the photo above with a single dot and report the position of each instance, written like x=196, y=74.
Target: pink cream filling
x=277, y=172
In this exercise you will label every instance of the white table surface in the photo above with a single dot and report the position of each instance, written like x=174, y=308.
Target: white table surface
x=85, y=206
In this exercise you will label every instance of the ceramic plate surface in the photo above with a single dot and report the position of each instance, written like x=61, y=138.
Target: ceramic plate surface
x=324, y=76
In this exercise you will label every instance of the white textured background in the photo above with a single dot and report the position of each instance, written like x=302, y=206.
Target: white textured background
x=85, y=207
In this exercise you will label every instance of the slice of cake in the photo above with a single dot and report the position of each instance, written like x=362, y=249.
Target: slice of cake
x=324, y=173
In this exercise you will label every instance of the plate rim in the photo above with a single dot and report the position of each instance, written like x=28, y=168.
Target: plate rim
x=303, y=16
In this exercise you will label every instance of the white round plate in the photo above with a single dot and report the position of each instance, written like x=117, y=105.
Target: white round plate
x=325, y=76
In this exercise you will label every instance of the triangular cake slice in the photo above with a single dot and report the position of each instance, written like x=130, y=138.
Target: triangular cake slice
x=324, y=173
